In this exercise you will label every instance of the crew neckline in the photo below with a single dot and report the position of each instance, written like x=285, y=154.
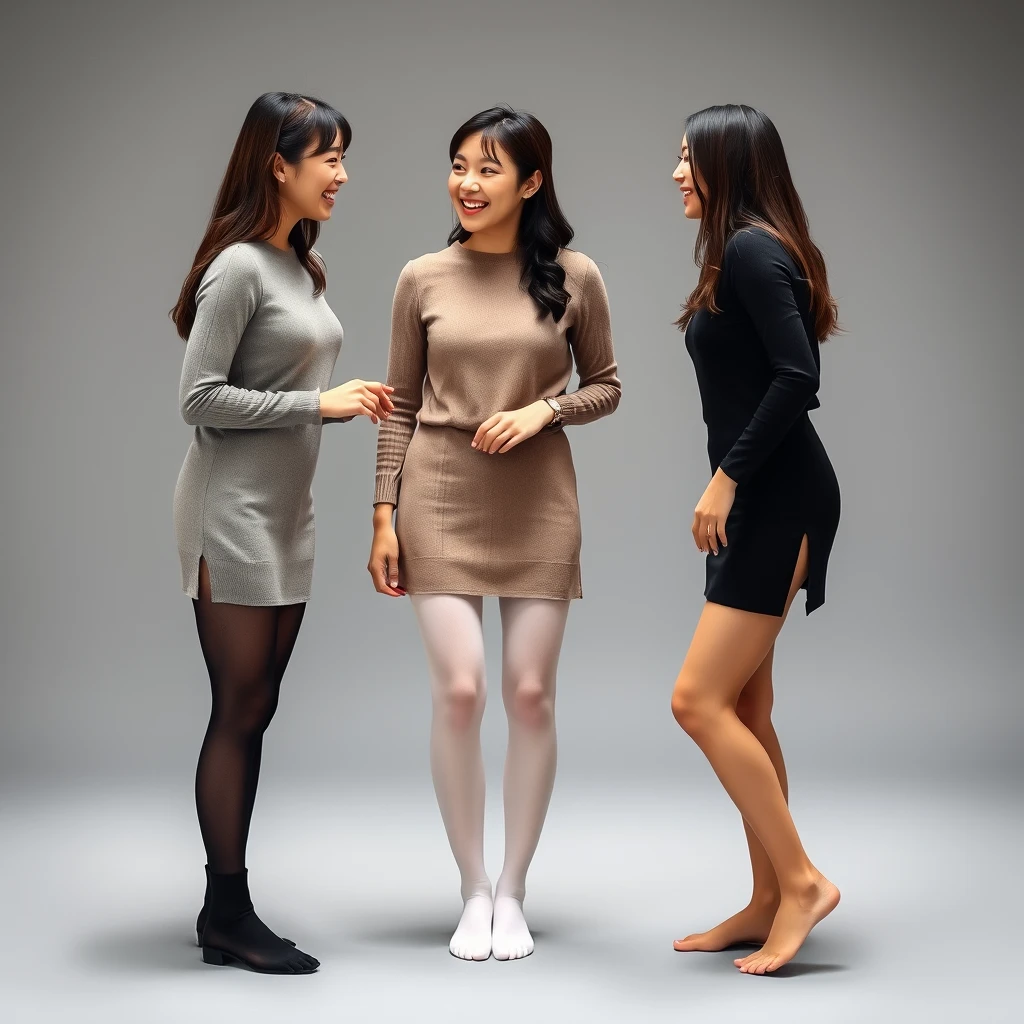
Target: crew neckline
x=284, y=253
x=478, y=254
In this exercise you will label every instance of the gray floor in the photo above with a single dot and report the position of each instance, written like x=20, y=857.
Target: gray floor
x=101, y=892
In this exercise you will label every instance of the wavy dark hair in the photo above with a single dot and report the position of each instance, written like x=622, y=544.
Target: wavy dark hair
x=738, y=153
x=248, y=204
x=543, y=229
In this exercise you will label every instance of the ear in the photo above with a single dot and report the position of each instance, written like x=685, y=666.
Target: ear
x=532, y=183
x=279, y=168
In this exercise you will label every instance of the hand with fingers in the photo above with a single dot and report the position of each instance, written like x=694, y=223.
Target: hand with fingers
x=711, y=513
x=383, y=564
x=357, y=398
x=504, y=430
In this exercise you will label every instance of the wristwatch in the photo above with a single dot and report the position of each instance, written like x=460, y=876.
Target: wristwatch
x=558, y=411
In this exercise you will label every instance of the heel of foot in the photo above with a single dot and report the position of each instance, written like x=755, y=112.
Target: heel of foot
x=214, y=956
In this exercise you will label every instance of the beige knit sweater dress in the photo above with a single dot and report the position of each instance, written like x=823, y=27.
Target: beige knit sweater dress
x=467, y=341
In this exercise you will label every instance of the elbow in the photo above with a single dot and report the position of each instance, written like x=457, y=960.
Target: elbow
x=190, y=406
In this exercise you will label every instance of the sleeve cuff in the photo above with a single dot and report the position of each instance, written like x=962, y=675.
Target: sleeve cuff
x=386, y=490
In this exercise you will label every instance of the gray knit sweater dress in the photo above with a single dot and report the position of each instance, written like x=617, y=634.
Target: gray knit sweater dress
x=261, y=350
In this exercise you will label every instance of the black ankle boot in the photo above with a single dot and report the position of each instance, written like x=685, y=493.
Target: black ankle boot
x=201, y=919
x=232, y=933
x=204, y=913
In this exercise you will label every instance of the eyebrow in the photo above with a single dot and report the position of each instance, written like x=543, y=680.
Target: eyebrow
x=486, y=159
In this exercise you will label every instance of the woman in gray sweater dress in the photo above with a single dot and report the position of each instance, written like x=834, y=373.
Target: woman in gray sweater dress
x=261, y=347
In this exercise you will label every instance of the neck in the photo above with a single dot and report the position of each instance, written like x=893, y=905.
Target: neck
x=503, y=237
x=279, y=239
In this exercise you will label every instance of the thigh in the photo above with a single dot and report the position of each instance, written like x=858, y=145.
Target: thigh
x=452, y=629
x=239, y=642
x=289, y=621
x=732, y=648
x=532, y=630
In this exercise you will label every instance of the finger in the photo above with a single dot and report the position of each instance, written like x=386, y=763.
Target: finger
x=380, y=393
x=516, y=438
x=385, y=395
x=721, y=533
x=483, y=428
x=380, y=580
x=378, y=408
x=368, y=409
x=500, y=440
x=712, y=534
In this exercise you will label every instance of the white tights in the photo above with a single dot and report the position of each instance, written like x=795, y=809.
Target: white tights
x=452, y=630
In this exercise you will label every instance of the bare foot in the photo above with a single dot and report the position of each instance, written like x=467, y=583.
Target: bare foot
x=751, y=924
x=793, y=923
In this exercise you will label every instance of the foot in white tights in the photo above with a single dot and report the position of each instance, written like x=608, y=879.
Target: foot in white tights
x=511, y=938
x=472, y=938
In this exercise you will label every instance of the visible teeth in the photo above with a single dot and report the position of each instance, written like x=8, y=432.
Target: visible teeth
x=473, y=206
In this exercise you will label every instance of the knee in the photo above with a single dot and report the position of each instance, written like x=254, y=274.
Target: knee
x=691, y=709
x=461, y=701
x=530, y=703
x=249, y=708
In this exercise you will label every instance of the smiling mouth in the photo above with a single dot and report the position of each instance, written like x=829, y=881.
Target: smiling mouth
x=329, y=195
x=473, y=205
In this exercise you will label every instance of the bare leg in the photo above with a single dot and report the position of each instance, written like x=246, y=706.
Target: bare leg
x=452, y=631
x=532, y=639
x=727, y=647
x=754, y=921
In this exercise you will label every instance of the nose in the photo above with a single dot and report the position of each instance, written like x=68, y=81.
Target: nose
x=469, y=186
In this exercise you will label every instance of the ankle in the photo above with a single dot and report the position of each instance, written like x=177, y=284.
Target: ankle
x=765, y=899
x=480, y=887
x=800, y=884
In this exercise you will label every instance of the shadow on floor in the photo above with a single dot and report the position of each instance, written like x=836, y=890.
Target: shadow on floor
x=160, y=946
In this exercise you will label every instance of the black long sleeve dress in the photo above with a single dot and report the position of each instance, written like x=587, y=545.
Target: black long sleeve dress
x=757, y=364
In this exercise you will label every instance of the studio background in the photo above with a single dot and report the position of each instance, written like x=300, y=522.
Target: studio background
x=901, y=123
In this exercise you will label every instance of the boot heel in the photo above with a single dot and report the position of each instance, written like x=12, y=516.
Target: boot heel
x=213, y=956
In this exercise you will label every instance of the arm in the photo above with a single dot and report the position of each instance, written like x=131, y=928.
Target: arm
x=763, y=284
x=407, y=368
x=591, y=342
x=228, y=296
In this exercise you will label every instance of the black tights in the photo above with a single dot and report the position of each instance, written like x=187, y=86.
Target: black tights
x=246, y=650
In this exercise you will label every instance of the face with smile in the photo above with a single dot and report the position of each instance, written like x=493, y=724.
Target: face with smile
x=685, y=176
x=308, y=189
x=484, y=187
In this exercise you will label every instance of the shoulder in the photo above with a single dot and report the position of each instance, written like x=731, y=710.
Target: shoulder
x=430, y=261
x=755, y=255
x=580, y=269
x=236, y=267
x=755, y=246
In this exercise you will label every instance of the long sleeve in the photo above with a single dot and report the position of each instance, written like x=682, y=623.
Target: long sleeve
x=591, y=342
x=227, y=298
x=407, y=368
x=763, y=284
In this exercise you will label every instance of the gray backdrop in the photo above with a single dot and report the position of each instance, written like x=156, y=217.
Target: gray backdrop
x=902, y=128
x=898, y=702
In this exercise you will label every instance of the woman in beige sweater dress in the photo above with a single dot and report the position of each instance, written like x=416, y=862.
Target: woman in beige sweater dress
x=474, y=458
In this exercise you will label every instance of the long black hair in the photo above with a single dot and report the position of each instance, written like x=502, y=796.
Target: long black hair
x=248, y=204
x=543, y=229
x=738, y=152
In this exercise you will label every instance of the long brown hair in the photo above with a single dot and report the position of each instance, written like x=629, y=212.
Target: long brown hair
x=248, y=204
x=738, y=153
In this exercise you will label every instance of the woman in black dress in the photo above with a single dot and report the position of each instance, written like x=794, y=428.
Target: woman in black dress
x=769, y=516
